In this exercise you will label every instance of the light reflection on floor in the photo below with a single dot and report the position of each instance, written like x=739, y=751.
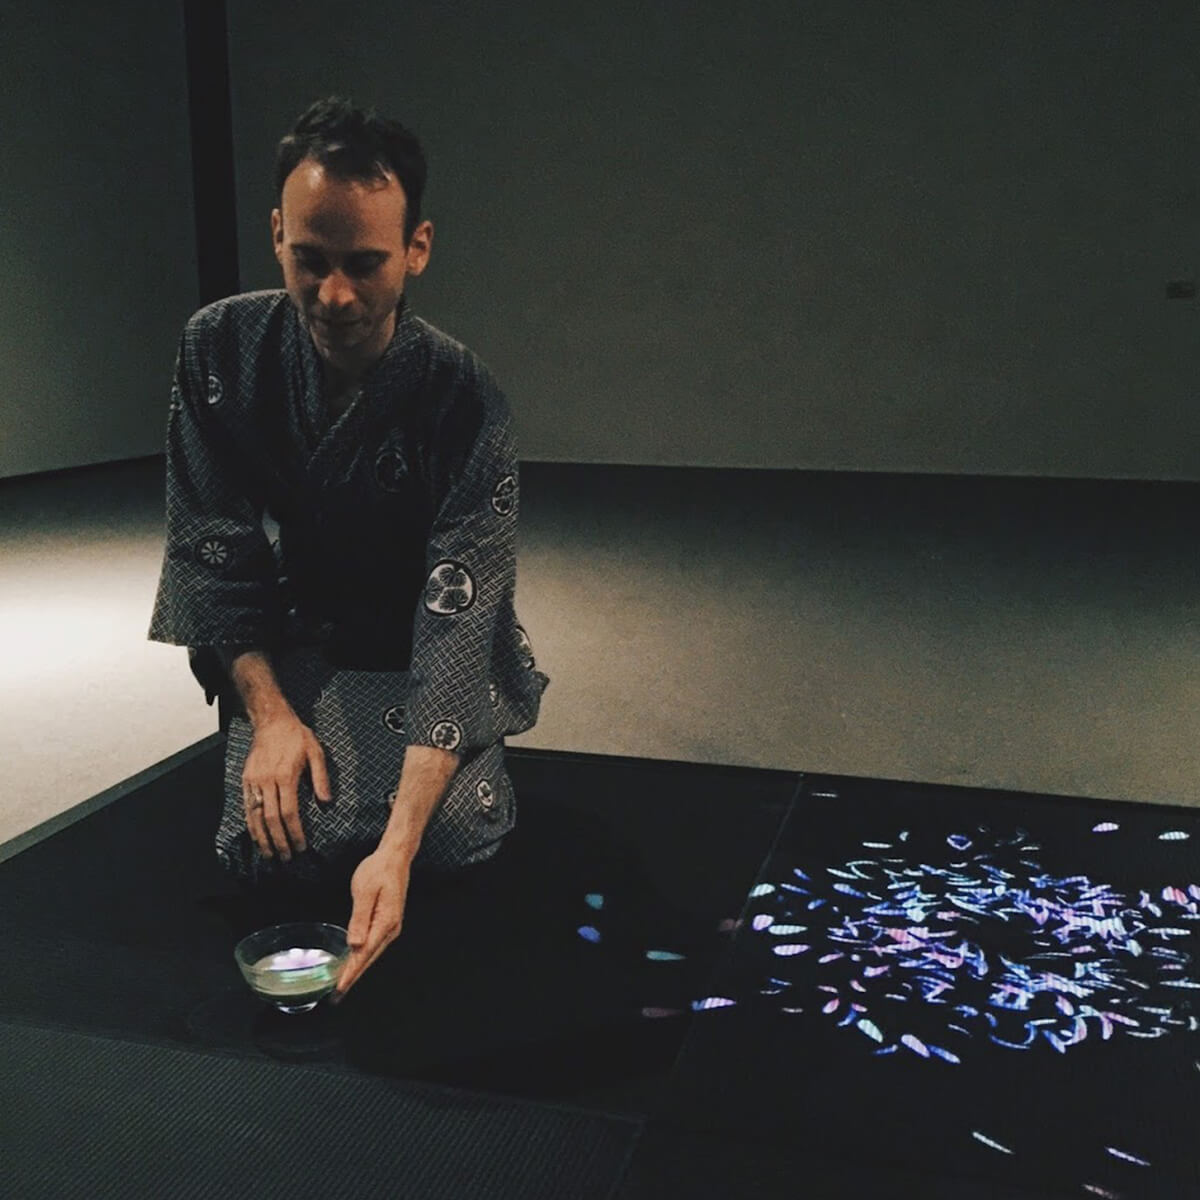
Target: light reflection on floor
x=938, y=945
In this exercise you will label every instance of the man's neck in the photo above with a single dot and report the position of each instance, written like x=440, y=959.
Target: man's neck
x=342, y=378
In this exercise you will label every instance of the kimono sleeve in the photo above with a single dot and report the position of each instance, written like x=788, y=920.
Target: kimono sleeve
x=470, y=575
x=217, y=584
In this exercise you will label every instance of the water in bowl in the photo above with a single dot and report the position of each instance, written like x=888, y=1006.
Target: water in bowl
x=296, y=979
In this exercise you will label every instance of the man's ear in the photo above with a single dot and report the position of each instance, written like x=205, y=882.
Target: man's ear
x=420, y=246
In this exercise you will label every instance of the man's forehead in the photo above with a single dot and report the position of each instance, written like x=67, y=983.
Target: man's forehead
x=311, y=177
x=343, y=217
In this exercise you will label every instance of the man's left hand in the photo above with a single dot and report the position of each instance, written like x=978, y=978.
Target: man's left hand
x=379, y=888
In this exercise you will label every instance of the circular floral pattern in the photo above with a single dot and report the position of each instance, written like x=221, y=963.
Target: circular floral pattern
x=493, y=694
x=216, y=390
x=394, y=719
x=176, y=398
x=212, y=552
x=504, y=498
x=485, y=793
x=445, y=735
x=390, y=468
x=450, y=589
x=526, y=648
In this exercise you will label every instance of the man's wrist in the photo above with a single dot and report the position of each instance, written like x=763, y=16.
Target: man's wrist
x=252, y=675
x=424, y=778
x=398, y=848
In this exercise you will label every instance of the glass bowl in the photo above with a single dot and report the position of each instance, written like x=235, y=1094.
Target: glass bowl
x=293, y=966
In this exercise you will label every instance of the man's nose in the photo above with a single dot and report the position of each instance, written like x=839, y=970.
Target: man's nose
x=336, y=292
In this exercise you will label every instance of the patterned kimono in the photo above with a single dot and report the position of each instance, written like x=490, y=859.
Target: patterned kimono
x=386, y=601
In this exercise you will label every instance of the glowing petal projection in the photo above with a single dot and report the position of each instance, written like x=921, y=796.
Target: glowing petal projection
x=958, y=938
x=945, y=943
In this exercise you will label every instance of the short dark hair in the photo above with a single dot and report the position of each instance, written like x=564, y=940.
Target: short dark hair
x=355, y=143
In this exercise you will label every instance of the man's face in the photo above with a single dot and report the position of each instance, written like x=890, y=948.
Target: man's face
x=341, y=246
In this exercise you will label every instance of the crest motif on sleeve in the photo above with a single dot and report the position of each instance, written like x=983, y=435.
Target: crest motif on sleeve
x=176, y=398
x=445, y=735
x=212, y=552
x=493, y=694
x=525, y=646
x=485, y=794
x=393, y=719
x=450, y=589
x=390, y=468
x=504, y=498
x=215, y=389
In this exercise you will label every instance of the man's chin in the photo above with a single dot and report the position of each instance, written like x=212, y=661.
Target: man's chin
x=337, y=328
x=338, y=341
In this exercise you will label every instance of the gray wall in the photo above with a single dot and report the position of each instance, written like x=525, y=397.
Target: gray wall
x=927, y=237
x=919, y=237
x=96, y=226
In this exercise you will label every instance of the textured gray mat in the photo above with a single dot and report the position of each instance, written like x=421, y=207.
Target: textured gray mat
x=673, y=1164
x=96, y=1118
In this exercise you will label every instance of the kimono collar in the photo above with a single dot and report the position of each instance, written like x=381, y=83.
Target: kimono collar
x=331, y=444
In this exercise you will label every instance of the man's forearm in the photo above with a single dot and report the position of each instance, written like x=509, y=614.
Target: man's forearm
x=251, y=673
x=424, y=778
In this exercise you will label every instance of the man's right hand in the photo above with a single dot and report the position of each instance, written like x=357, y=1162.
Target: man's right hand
x=282, y=749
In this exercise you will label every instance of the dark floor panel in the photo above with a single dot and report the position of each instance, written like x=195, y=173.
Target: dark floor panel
x=1004, y=986
x=685, y=1165
x=89, y=1117
x=490, y=985
x=130, y=872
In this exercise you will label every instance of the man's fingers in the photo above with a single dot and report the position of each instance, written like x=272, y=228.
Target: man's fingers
x=289, y=812
x=319, y=772
x=252, y=799
x=258, y=831
x=387, y=937
x=356, y=964
x=366, y=935
x=361, y=959
x=274, y=822
x=360, y=919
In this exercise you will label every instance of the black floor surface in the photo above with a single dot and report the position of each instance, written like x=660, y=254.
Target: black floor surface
x=695, y=981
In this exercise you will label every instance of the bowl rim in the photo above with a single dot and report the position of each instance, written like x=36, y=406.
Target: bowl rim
x=278, y=928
